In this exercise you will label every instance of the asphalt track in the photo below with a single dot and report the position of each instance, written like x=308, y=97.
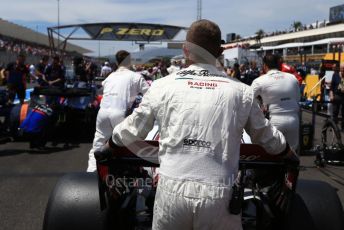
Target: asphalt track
x=27, y=178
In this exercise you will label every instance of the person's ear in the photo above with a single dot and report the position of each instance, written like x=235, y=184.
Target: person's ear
x=220, y=51
x=186, y=51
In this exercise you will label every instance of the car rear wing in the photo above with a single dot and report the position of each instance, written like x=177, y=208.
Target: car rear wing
x=145, y=153
x=272, y=170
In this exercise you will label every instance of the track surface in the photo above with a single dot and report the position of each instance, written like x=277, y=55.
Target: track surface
x=27, y=178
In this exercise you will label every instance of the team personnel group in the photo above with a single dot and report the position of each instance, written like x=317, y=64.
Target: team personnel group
x=17, y=75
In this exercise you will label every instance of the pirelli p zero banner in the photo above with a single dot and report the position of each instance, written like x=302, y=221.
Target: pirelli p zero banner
x=131, y=31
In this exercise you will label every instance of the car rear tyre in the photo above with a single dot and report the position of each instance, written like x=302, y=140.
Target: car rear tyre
x=330, y=134
x=74, y=204
x=315, y=206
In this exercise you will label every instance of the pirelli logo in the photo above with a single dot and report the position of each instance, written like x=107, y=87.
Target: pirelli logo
x=133, y=31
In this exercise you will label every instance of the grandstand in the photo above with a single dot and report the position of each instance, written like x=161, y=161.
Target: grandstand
x=311, y=44
x=11, y=30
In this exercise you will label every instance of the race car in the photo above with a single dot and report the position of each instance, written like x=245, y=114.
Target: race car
x=268, y=194
x=53, y=114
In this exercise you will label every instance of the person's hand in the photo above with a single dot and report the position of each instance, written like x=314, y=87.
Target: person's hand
x=331, y=96
x=104, y=153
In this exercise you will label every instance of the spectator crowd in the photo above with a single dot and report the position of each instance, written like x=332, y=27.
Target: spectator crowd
x=16, y=46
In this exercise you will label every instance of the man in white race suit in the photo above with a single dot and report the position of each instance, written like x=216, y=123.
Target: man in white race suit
x=201, y=114
x=106, y=70
x=119, y=91
x=280, y=92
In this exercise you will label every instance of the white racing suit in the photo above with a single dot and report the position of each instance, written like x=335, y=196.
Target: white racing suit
x=201, y=114
x=119, y=90
x=281, y=92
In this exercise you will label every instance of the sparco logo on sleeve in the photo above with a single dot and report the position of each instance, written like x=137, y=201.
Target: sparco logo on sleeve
x=197, y=143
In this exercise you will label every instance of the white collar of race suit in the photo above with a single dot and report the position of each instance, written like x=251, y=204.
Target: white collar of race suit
x=203, y=66
x=273, y=71
x=122, y=68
